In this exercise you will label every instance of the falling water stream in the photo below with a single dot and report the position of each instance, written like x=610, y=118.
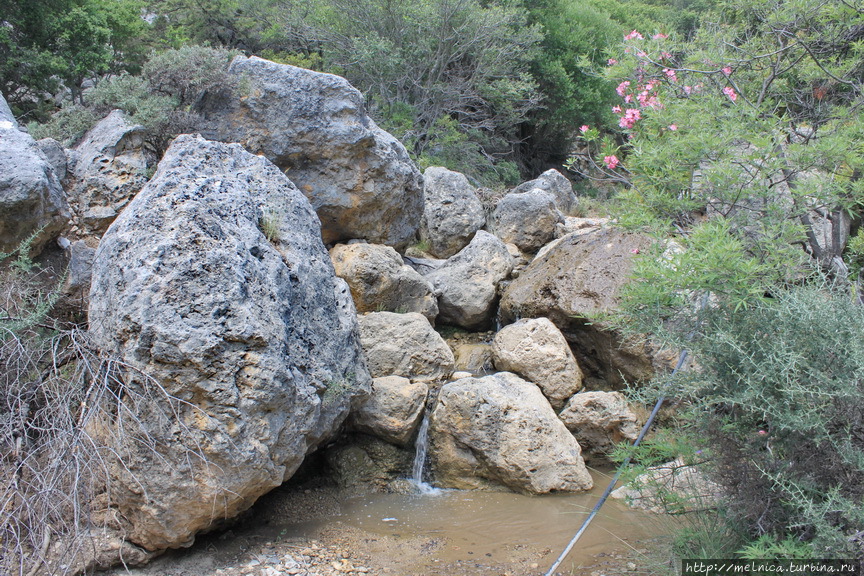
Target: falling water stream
x=421, y=449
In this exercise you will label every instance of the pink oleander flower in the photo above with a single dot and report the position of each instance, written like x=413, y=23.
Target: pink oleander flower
x=584, y=128
x=628, y=99
x=727, y=70
x=629, y=119
x=616, y=109
x=634, y=35
x=670, y=74
x=611, y=62
x=666, y=55
x=622, y=87
x=688, y=90
x=611, y=161
x=660, y=36
x=673, y=127
x=730, y=92
x=762, y=433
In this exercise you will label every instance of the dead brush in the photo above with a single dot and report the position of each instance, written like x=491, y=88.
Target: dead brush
x=67, y=421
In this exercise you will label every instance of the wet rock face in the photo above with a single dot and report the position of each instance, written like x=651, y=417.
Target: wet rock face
x=314, y=127
x=256, y=338
x=600, y=420
x=468, y=282
x=381, y=282
x=452, y=211
x=500, y=430
x=30, y=193
x=404, y=345
x=536, y=350
x=580, y=275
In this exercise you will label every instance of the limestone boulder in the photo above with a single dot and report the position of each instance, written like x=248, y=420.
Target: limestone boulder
x=555, y=183
x=452, y=211
x=404, y=345
x=314, y=127
x=580, y=276
x=468, y=282
x=527, y=219
x=31, y=198
x=111, y=165
x=393, y=410
x=535, y=349
x=380, y=281
x=240, y=352
x=500, y=430
x=600, y=420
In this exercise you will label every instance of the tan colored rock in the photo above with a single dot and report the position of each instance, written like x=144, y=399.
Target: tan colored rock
x=393, y=410
x=500, y=430
x=474, y=357
x=111, y=166
x=381, y=282
x=404, y=345
x=527, y=219
x=536, y=350
x=582, y=275
x=600, y=420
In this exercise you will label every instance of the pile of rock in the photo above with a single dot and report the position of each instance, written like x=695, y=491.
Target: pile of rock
x=213, y=286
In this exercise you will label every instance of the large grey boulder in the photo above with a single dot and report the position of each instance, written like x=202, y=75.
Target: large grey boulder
x=468, y=282
x=314, y=127
x=393, y=410
x=111, y=164
x=572, y=282
x=31, y=197
x=452, y=212
x=500, y=430
x=527, y=219
x=555, y=183
x=380, y=281
x=535, y=349
x=254, y=339
x=600, y=420
x=404, y=345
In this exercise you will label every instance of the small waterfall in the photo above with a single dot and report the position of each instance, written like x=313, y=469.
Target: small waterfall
x=422, y=447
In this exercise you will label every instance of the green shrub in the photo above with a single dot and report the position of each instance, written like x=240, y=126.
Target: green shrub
x=779, y=401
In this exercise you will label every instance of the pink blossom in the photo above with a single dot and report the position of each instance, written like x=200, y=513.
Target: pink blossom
x=673, y=127
x=670, y=74
x=634, y=251
x=628, y=99
x=666, y=55
x=634, y=35
x=730, y=92
x=727, y=70
x=611, y=62
x=762, y=433
x=660, y=36
x=641, y=54
x=622, y=87
x=688, y=90
x=629, y=119
x=616, y=109
x=584, y=128
x=611, y=161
